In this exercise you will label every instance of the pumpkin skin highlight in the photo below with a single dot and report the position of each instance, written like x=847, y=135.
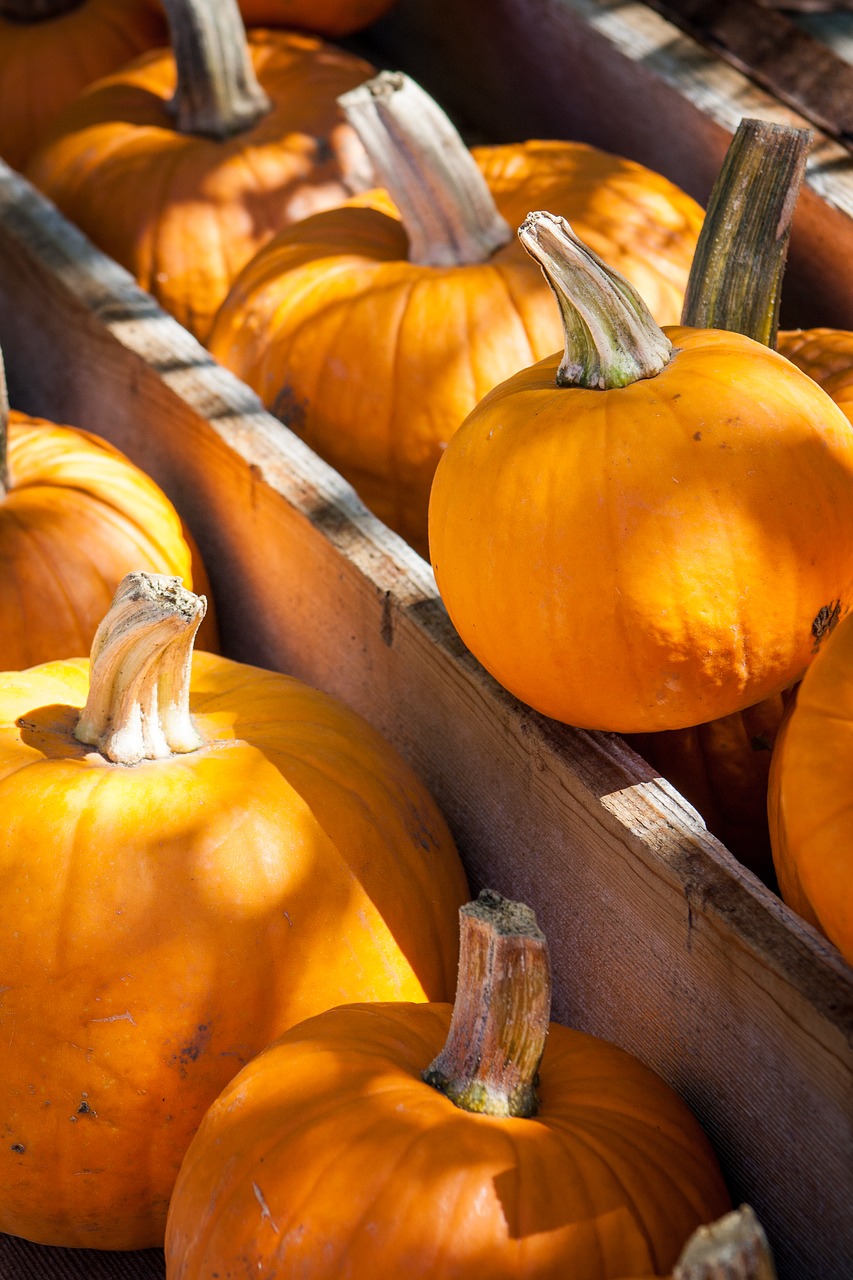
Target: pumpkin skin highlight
x=166, y=921
x=329, y=1156
x=375, y=361
x=78, y=516
x=45, y=65
x=185, y=213
x=570, y=568
x=809, y=808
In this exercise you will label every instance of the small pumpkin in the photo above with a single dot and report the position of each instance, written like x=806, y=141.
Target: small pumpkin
x=183, y=164
x=194, y=855
x=420, y=1140
x=618, y=536
x=325, y=17
x=808, y=806
x=75, y=516
x=50, y=50
x=374, y=329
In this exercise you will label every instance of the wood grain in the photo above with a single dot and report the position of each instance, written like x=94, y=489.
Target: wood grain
x=661, y=941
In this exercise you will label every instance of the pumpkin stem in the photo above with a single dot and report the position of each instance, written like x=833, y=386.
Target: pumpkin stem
x=139, y=691
x=610, y=336
x=217, y=94
x=4, y=432
x=444, y=201
x=490, y=1061
x=732, y=1248
x=36, y=10
x=736, y=277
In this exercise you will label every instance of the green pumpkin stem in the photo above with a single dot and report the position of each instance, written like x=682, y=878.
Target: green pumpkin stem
x=733, y=1248
x=36, y=10
x=610, y=336
x=217, y=94
x=736, y=278
x=139, y=684
x=444, y=201
x=490, y=1061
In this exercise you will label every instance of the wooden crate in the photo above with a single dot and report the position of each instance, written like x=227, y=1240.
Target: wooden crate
x=661, y=941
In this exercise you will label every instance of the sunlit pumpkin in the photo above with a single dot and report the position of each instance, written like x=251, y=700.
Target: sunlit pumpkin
x=373, y=331
x=652, y=533
x=183, y=193
x=423, y=1141
x=189, y=864
x=75, y=517
x=809, y=800
x=825, y=355
x=50, y=50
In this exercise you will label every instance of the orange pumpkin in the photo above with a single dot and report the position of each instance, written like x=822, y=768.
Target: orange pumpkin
x=183, y=195
x=325, y=17
x=623, y=539
x=75, y=517
x=190, y=864
x=420, y=1141
x=373, y=337
x=808, y=805
x=826, y=355
x=50, y=50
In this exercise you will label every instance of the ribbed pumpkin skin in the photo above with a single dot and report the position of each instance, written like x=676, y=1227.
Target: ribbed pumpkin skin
x=329, y=1157
x=325, y=17
x=809, y=804
x=184, y=213
x=654, y=556
x=826, y=355
x=77, y=517
x=45, y=65
x=375, y=361
x=165, y=922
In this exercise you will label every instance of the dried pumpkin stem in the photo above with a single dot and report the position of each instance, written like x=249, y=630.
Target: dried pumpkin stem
x=444, y=200
x=611, y=338
x=736, y=278
x=36, y=10
x=733, y=1248
x=139, y=685
x=500, y=1019
x=217, y=94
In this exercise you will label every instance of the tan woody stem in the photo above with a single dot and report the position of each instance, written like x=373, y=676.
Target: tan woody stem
x=444, y=201
x=733, y=1248
x=217, y=94
x=611, y=338
x=500, y=1019
x=36, y=10
x=139, y=685
x=4, y=432
x=736, y=278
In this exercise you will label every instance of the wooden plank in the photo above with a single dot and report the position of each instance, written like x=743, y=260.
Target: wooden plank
x=661, y=941
x=618, y=75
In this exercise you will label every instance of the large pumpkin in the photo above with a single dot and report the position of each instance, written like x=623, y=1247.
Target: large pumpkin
x=373, y=331
x=50, y=50
x=190, y=864
x=326, y=17
x=183, y=192
x=809, y=806
x=75, y=517
x=420, y=1141
x=653, y=532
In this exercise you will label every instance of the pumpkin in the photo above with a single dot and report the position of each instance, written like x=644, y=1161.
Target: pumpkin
x=194, y=855
x=808, y=806
x=826, y=355
x=373, y=330
x=654, y=531
x=416, y=1140
x=326, y=17
x=183, y=191
x=50, y=50
x=75, y=516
